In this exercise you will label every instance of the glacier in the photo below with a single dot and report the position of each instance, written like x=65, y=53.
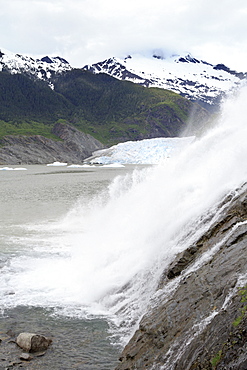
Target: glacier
x=147, y=151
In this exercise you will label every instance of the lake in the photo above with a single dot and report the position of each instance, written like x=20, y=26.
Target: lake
x=41, y=214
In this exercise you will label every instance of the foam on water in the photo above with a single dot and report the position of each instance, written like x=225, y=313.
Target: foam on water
x=106, y=255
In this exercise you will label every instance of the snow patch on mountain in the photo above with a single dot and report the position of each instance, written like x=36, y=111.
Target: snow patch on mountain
x=42, y=69
x=193, y=78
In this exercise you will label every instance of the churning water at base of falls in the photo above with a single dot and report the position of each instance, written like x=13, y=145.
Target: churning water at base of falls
x=90, y=244
x=38, y=217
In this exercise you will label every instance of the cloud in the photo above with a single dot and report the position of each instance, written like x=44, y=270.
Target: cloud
x=86, y=31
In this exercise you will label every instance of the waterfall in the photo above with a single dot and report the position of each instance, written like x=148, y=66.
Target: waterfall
x=107, y=255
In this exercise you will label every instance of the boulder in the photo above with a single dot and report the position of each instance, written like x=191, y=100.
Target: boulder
x=30, y=342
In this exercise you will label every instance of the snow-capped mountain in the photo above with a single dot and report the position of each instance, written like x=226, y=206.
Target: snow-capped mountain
x=43, y=68
x=193, y=78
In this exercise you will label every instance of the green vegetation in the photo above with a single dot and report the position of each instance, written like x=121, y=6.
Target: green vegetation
x=26, y=128
x=243, y=293
x=216, y=359
x=236, y=335
x=109, y=109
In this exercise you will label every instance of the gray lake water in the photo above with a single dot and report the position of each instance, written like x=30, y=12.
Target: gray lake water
x=31, y=203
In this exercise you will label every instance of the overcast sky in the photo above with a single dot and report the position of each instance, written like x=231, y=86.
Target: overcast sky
x=87, y=31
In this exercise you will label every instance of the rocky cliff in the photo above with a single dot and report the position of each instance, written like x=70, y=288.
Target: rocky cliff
x=199, y=317
x=74, y=146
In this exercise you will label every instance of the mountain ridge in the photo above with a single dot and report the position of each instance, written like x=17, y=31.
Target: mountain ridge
x=194, y=79
x=191, y=77
x=42, y=69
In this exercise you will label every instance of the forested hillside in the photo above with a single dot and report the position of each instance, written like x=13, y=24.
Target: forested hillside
x=110, y=110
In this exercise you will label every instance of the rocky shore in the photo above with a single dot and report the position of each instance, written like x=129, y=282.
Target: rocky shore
x=76, y=343
x=73, y=146
x=199, y=318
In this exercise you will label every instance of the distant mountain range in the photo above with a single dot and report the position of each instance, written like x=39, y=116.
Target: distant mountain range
x=101, y=100
x=194, y=79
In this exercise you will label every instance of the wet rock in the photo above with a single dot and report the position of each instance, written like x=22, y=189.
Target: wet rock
x=39, y=354
x=11, y=333
x=26, y=357
x=181, y=262
x=30, y=342
x=202, y=324
x=13, y=364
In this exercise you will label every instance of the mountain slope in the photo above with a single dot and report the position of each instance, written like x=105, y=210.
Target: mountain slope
x=195, y=79
x=22, y=97
x=73, y=147
x=100, y=105
x=120, y=110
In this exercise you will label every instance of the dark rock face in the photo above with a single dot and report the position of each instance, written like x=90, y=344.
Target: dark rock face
x=202, y=323
x=74, y=147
